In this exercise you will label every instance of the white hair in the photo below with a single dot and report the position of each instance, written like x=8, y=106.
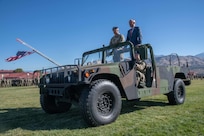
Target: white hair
x=132, y=20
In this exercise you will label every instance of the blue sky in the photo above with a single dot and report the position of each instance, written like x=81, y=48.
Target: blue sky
x=64, y=29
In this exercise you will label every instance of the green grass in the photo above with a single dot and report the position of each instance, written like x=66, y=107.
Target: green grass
x=21, y=114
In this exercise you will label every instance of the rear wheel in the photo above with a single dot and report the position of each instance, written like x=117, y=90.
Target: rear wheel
x=101, y=103
x=177, y=96
x=50, y=104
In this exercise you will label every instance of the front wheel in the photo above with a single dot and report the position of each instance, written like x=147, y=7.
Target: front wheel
x=100, y=103
x=177, y=96
x=50, y=104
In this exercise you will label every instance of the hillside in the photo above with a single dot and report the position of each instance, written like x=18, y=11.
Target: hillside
x=195, y=63
x=192, y=60
x=201, y=55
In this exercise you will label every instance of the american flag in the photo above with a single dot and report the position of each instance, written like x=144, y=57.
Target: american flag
x=19, y=55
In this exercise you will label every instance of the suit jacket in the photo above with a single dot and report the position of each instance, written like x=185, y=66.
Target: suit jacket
x=135, y=37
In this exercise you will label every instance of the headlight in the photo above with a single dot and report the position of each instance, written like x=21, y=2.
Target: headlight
x=47, y=80
x=89, y=72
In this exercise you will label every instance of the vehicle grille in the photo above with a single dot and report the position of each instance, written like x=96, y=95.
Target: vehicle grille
x=62, y=74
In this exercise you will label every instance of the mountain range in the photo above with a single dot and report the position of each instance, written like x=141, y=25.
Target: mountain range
x=201, y=55
x=195, y=63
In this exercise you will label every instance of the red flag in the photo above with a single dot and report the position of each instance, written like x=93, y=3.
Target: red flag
x=19, y=55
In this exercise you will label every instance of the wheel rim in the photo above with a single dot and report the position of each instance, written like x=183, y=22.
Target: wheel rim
x=180, y=92
x=105, y=104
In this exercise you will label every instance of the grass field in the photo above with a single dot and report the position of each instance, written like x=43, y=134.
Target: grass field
x=21, y=114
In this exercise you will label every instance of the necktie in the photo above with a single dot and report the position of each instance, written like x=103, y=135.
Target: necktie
x=131, y=32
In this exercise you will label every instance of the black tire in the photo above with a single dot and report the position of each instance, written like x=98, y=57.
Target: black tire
x=187, y=82
x=177, y=96
x=51, y=106
x=100, y=103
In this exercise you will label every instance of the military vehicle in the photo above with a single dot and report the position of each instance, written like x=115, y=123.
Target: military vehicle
x=99, y=82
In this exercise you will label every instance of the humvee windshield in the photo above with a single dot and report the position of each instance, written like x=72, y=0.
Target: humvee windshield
x=109, y=54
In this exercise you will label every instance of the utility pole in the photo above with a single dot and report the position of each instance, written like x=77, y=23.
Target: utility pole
x=38, y=52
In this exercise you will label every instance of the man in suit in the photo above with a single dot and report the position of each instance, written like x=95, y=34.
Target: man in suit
x=134, y=34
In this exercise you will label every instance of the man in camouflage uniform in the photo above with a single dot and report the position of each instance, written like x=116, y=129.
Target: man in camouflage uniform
x=117, y=38
x=140, y=71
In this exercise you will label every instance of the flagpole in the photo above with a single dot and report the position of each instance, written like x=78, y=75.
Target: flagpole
x=38, y=52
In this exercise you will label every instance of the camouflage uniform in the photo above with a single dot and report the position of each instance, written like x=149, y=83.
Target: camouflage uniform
x=140, y=73
x=117, y=56
x=117, y=39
